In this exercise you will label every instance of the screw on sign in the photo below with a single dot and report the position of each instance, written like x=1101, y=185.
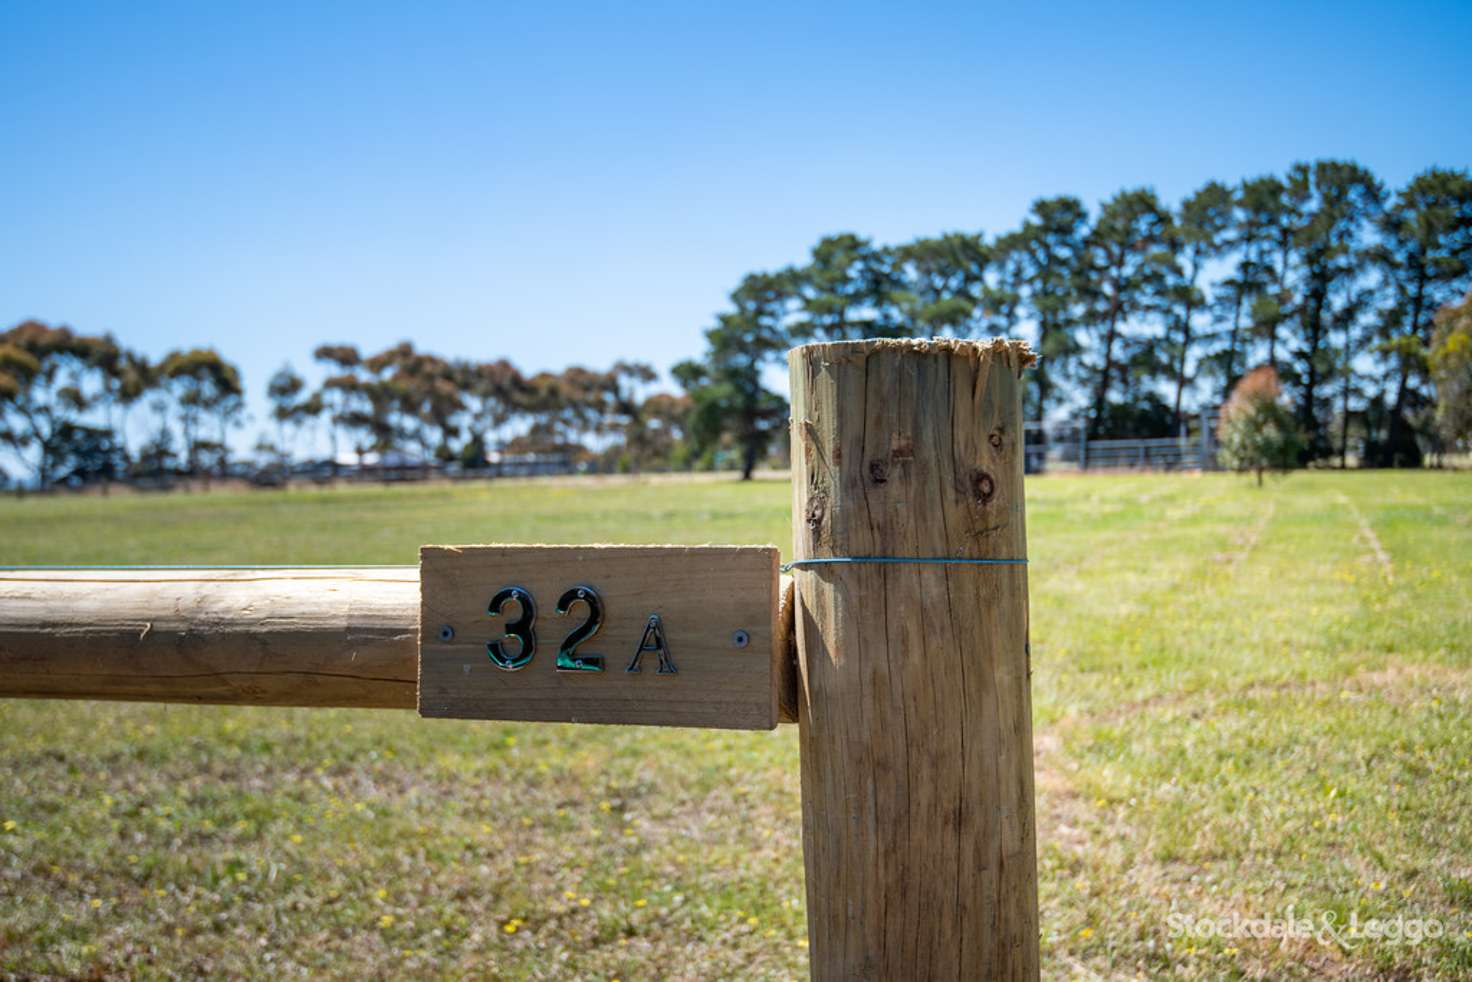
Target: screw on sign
x=625, y=616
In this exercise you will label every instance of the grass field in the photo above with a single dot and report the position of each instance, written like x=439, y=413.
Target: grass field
x=1245, y=701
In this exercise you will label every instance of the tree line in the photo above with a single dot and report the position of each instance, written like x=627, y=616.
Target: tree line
x=66, y=398
x=1143, y=313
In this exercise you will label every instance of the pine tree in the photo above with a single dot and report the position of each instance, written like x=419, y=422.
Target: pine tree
x=726, y=391
x=1196, y=238
x=1424, y=258
x=1051, y=244
x=940, y=283
x=846, y=291
x=1125, y=266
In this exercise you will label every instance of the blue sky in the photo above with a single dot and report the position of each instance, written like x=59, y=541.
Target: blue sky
x=579, y=183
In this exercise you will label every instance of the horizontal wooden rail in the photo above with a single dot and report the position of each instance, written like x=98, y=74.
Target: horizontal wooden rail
x=328, y=636
x=265, y=637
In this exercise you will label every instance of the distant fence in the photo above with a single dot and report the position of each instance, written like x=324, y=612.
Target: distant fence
x=1065, y=445
x=326, y=472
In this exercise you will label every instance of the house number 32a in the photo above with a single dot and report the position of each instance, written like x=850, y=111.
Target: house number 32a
x=517, y=646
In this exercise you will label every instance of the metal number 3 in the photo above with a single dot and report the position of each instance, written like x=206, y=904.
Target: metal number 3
x=568, y=660
x=519, y=629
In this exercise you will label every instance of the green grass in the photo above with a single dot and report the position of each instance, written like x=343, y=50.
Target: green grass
x=1245, y=701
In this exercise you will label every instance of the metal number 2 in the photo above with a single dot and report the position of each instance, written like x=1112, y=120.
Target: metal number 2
x=520, y=629
x=568, y=660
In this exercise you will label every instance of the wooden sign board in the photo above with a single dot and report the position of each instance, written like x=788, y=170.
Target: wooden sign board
x=664, y=635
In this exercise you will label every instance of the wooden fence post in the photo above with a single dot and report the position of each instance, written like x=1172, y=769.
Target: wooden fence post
x=914, y=706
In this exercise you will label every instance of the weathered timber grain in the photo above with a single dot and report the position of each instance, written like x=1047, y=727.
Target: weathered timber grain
x=914, y=706
x=270, y=637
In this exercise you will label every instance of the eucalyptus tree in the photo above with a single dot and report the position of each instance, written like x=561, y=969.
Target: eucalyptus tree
x=427, y=391
x=662, y=438
x=624, y=405
x=583, y=416
x=1424, y=261
x=1196, y=237
x=124, y=377
x=542, y=400
x=130, y=377
x=203, y=385
x=1339, y=201
x=50, y=379
x=388, y=394
x=1125, y=269
x=338, y=388
x=406, y=395
x=488, y=390
x=292, y=407
x=357, y=401
x=157, y=458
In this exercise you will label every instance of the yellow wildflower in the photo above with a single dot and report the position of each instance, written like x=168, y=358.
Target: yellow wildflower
x=386, y=920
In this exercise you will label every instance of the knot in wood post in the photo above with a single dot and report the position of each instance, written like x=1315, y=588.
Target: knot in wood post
x=914, y=704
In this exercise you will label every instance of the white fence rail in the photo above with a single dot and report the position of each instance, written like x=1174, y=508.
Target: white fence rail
x=1065, y=445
